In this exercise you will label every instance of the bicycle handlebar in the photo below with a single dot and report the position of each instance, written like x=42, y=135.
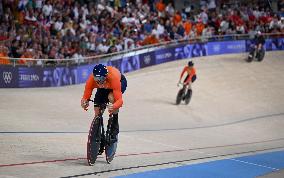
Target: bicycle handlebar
x=101, y=106
x=181, y=83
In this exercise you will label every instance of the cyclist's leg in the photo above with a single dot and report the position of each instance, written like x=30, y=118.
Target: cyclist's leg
x=185, y=86
x=101, y=97
x=192, y=80
x=115, y=125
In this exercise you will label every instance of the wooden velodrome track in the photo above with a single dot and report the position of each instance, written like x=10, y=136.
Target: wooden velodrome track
x=237, y=108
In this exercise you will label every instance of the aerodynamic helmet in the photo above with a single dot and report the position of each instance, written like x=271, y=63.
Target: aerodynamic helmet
x=100, y=72
x=190, y=63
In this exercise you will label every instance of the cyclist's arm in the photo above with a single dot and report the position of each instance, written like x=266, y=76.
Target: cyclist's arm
x=184, y=70
x=90, y=85
x=117, y=94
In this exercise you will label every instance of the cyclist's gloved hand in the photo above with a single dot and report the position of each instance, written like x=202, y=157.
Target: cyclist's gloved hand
x=110, y=108
x=179, y=82
x=84, y=104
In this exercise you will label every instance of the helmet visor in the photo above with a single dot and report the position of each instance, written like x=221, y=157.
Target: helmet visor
x=100, y=79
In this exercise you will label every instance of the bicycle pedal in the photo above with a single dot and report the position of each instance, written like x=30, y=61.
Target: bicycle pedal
x=101, y=151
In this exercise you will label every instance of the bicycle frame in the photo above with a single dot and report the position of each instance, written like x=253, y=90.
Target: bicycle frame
x=185, y=87
x=99, y=140
x=184, y=93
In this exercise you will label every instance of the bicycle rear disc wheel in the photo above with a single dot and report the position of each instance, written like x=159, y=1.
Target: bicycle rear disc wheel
x=110, y=150
x=260, y=56
x=179, y=97
x=94, y=141
x=188, y=96
x=111, y=140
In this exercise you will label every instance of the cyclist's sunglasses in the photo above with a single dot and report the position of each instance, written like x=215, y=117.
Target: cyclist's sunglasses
x=100, y=80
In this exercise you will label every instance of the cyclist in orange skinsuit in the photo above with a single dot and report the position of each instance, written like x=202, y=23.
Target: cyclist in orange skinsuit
x=191, y=74
x=110, y=84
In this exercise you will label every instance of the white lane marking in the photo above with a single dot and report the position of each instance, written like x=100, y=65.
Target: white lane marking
x=255, y=164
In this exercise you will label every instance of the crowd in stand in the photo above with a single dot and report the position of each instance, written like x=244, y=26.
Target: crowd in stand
x=58, y=29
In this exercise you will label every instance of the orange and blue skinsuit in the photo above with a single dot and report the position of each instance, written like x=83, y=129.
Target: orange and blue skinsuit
x=191, y=71
x=112, y=82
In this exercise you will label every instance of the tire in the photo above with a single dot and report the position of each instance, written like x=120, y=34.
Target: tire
x=94, y=141
x=110, y=151
x=111, y=143
x=261, y=55
x=251, y=55
x=249, y=59
x=188, y=96
x=179, y=96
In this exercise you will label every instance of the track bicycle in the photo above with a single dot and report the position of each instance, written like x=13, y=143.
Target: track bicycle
x=184, y=94
x=100, y=141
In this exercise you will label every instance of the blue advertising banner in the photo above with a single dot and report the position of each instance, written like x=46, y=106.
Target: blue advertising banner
x=8, y=76
x=164, y=55
x=274, y=44
x=59, y=76
x=199, y=49
x=191, y=50
x=83, y=73
x=248, y=44
x=147, y=59
x=183, y=51
x=226, y=47
x=115, y=63
x=129, y=64
x=36, y=76
x=30, y=77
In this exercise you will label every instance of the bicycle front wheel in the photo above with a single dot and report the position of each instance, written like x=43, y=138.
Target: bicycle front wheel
x=111, y=141
x=179, y=96
x=188, y=96
x=110, y=150
x=94, y=141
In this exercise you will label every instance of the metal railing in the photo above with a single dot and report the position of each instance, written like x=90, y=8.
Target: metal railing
x=139, y=50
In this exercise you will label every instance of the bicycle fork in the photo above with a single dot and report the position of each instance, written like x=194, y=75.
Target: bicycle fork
x=102, y=139
x=109, y=138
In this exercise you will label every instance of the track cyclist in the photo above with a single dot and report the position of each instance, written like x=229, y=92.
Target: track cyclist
x=191, y=74
x=259, y=40
x=110, y=84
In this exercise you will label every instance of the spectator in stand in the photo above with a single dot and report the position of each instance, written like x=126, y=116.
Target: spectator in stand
x=204, y=16
x=274, y=23
x=149, y=40
x=47, y=9
x=180, y=30
x=281, y=24
x=187, y=25
x=147, y=26
x=160, y=6
x=30, y=18
x=170, y=10
x=281, y=7
x=177, y=18
x=199, y=27
x=63, y=27
x=211, y=5
x=118, y=44
x=28, y=54
x=155, y=30
x=4, y=58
